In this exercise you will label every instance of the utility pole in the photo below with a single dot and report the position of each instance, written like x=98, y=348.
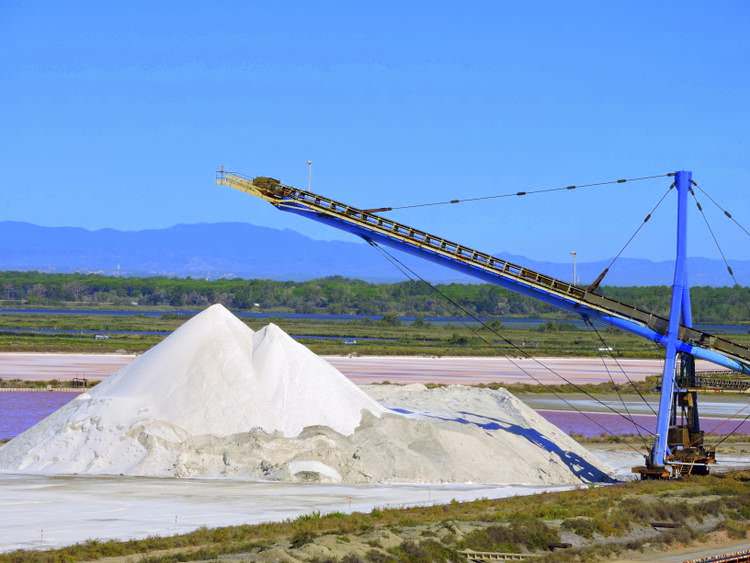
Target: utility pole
x=309, y=175
x=573, y=254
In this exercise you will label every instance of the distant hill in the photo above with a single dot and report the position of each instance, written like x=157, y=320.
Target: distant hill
x=247, y=251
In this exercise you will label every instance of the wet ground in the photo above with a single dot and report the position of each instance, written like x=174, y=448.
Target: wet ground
x=36, y=511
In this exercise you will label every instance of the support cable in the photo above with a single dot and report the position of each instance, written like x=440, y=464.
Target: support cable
x=616, y=387
x=622, y=369
x=713, y=236
x=600, y=278
x=732, y=417
x=735, y=429
x=398, y=265
x=533, y=191
x=404, y=268
x=727, y=214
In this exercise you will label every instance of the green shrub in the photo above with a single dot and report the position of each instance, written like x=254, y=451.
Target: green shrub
x=735, y=530
x=301, y=538
x=636, y=511
x=679, y=535
x=315, y=515
x=531, y=533
x=458, y=340
x=425, y=552
x=584, y=527
x=375, y=556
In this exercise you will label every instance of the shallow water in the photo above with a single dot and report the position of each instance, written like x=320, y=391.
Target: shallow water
x=21, y=410
x=597, y=423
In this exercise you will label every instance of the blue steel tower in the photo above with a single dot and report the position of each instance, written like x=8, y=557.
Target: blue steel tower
x=678, y=443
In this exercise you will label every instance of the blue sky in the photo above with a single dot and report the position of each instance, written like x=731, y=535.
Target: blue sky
x=117, y=116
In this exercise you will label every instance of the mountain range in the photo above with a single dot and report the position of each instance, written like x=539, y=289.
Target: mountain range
x=242, y=250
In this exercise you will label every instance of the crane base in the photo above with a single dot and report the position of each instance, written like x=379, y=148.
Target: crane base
x=682, y=463
x=648, y=473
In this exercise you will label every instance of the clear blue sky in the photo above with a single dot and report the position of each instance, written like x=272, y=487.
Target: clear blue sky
x=117, y=116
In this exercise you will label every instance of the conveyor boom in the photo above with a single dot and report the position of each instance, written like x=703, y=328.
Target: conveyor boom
x=372, y=226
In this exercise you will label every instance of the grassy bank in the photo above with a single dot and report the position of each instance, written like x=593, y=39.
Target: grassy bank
x=384, y=337
x=598, y=523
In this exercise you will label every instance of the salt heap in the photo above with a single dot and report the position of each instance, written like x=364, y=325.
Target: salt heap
x=214, y=376
x=215, y=399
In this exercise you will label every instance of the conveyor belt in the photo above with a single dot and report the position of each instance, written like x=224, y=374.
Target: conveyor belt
x=291, y=198
x=721, y=381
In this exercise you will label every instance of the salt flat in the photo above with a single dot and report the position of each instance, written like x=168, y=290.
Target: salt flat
x=43, y=512
x=35, y=366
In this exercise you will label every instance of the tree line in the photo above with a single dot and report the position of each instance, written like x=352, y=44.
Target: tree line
x=337, y=295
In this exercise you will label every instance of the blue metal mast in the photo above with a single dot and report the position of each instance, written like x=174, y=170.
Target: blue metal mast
x=680, y=310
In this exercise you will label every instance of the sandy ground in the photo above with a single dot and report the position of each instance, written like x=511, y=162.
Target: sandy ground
x=364, y=369
x=35, y=511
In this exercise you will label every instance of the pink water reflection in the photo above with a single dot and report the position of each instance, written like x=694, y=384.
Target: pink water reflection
x=20, y=411
x=573, y=422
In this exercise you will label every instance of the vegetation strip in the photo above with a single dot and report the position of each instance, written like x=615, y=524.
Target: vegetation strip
x=335, y=295
x=388, y=336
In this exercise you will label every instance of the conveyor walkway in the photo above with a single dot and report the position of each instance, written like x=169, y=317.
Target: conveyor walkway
x=372, y=226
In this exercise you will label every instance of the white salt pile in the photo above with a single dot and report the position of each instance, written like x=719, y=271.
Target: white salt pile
x=212, y=376
x=215, y=399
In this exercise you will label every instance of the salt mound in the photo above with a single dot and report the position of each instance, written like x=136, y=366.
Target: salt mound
x=215, y=399
x=212, y=376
